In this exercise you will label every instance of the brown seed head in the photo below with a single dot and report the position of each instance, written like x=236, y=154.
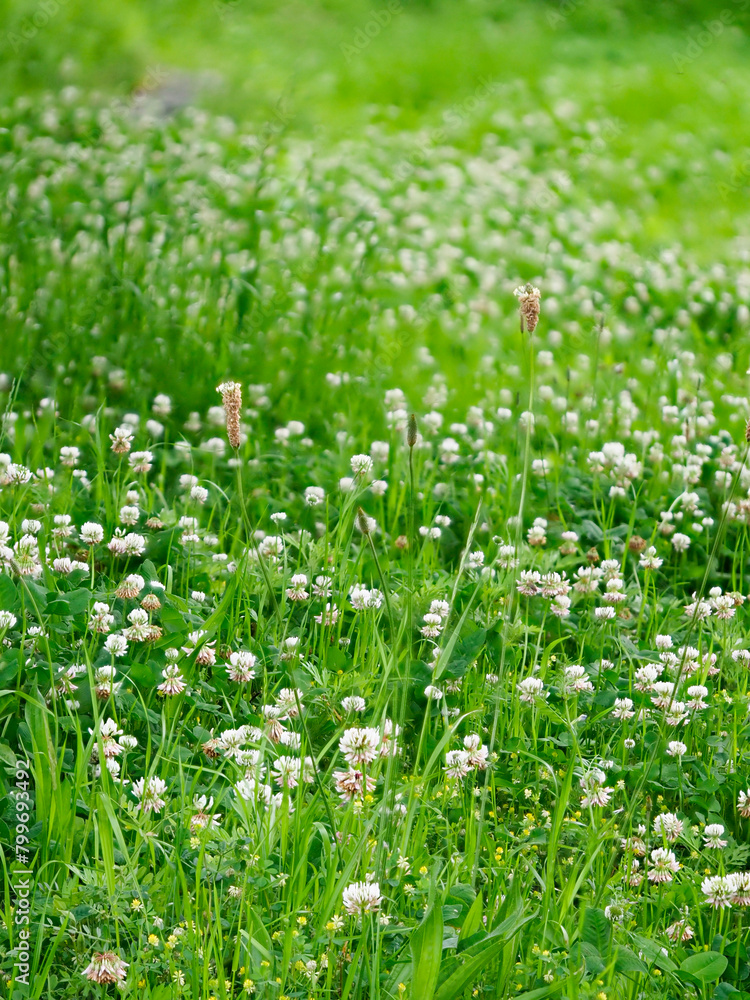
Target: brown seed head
x=231, y=397
x=637, y=544
x=529, y=299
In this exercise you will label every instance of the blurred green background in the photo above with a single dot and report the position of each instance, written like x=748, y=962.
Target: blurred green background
x=328, y=69
x=629, y=115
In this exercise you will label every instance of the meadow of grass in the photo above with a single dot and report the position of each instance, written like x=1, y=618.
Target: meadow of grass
x=413, y=662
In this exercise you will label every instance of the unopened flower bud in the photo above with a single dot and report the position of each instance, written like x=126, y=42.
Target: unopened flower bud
x=411, y=431
x=365, y=524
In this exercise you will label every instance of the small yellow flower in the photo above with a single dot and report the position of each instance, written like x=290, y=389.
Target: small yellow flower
x=153, y=939
x=141, y=983
x=402, y=988
x=136, y=904
x=302, y=921
x=423, y=870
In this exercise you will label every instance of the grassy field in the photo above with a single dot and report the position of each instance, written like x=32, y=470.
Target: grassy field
x=411, y=664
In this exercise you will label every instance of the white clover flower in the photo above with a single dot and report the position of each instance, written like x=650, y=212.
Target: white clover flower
x=150, y=792
x=116, y=645
x=360, y=746
x=718, y=890
x=361, y=897
x=530, y=689
x=663, y=865
x=91, y=533
x=314, y=495
x=361, y=464
x=680, y=542
x=712, y=836
x=241, y=666
x=353, y=703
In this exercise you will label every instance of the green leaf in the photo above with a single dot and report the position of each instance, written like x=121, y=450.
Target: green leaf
x=480, y=955
x=144, y=674
x=705, y=965
x=78, y=600
x=596, y=930
x=58, y=607
x=8, y=593
x=172, y=620
x=628, y=961
x=591, y=531
x=473, y=921
x=427, y=953
x=586, y=951
x=460, y=893
x=724, y=990
x=543, y=991
x=256, y=942
x=653, y=954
